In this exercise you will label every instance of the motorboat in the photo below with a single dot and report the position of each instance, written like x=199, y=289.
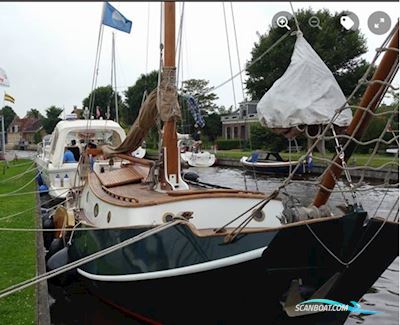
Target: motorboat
x=271, y=163
x=59, y=176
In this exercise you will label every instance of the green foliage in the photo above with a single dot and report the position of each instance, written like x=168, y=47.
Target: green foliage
x=199, y=89
x=263, y=138
x=51, y=119
x=134, y=96
x=223, y=144
x=8, y=114
x=213, y=127
x=37, y=137
x=341, y=51
x=103, y=97
x=33, y=112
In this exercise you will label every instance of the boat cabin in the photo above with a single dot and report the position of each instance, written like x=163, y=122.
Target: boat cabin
x=76, y=135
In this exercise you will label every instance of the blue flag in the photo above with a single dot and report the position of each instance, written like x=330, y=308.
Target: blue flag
x=113, y=18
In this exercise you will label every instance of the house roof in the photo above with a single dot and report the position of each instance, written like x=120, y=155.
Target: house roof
x=26, y=124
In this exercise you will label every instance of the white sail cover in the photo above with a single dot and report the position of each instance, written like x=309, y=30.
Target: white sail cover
x=307, y=93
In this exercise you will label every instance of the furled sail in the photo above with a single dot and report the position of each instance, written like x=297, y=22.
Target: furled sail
x=306, y=94
x=169, y=108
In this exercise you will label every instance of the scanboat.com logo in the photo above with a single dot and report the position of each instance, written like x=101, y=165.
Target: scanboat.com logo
x=319, y=305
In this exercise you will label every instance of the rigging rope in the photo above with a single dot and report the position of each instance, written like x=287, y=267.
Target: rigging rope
x=295, y=18
x=229, y=56
x=45, y=276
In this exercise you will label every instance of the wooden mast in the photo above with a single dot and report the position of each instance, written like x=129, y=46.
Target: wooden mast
x=170, y=139
x=371, y=98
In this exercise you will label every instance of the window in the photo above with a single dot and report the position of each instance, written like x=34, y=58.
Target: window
x=243, y=132
x=228, y=132
x=54, y=142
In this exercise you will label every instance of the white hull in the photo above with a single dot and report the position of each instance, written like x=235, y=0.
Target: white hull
x=208, y=213
x=139, y=153
x=244, y=162
x=200, y=159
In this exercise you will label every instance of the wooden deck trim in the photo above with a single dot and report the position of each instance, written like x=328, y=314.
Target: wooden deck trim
x=126, y=201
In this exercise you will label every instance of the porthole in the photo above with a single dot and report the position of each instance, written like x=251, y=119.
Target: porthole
x=109, y=216
x=87, y=197
x=96, y=210
x=259, y=215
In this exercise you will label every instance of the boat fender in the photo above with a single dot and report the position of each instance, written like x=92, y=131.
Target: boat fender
x=190, y=176
x=56, y=245
x=59, y=259
x=39, y=179
x=43, y=189
x=48, y=235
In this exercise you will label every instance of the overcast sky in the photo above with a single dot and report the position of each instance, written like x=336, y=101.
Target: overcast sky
x=48, y=49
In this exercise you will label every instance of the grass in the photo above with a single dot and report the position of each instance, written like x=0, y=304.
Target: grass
x=17, y=249
x=356, y=159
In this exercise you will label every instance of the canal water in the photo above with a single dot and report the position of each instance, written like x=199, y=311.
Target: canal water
x=76, y=306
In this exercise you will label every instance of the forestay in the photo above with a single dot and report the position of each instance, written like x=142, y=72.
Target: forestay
x=306, y=94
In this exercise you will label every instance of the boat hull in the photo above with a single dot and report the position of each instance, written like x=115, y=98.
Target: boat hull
x=176, y=277
x=277, y=168
x=200, y=159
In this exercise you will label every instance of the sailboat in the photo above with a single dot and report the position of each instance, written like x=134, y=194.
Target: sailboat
x=170, y=253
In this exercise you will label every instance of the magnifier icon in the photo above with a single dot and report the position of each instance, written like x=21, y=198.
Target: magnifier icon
x=282, y=21
x=314, y=22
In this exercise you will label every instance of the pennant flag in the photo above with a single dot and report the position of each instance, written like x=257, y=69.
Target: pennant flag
x=9, y=98
x=3, y=78
x=113, y=18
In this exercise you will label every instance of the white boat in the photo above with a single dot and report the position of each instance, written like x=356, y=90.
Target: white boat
x=60, y=176
x=269, y=163
x=393, y=151
x=198, y=159
x=139, y=152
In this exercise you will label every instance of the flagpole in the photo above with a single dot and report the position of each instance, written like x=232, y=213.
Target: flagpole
x=97, y=59
x=3, y=134
x=115, y=77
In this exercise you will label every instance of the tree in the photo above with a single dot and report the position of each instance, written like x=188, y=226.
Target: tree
x=8, y=114
x=265, y=139
x=340, y=49
x=134, y=96
x=213, y=127
x=199, y=89
x=103, y=97
x=34, y=113
x=51, y=119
